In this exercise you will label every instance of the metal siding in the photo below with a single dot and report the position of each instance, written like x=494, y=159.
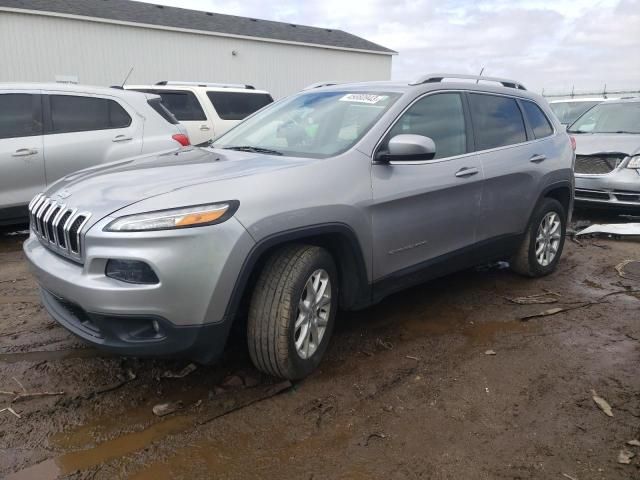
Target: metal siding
x=37, y=48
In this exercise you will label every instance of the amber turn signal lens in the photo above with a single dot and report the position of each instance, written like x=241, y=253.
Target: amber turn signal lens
x=201, y=217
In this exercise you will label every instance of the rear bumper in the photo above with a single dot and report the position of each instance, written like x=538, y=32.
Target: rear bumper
x=620, y=188
x=138, y=335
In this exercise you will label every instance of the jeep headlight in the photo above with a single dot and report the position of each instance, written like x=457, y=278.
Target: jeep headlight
x=185, y=217
x=634, y=162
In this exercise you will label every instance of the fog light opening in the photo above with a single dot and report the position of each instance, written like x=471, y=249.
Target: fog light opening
x=131, y=271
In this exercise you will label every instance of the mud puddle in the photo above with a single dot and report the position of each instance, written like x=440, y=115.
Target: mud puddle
x=195, y=412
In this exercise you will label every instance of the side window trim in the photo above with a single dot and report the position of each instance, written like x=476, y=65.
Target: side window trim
x=467, y=121
x=471, y=134
x=527, y=125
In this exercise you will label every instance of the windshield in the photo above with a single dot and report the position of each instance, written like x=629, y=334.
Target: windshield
x=314, y=124
x=568, y=112
x=609, y=118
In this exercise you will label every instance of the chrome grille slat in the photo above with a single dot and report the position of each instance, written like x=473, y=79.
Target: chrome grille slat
x=58, y=226
x=54, y=223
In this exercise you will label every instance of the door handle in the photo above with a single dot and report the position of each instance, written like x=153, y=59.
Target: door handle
x=467, y=172
x=25, y=152
x=538, y=158
x=121, y=138
x=204, y=128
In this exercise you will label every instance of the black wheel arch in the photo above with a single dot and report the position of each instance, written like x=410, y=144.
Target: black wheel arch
x=341, y=242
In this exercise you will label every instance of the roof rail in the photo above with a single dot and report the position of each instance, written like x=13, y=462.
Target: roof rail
x=321, y=84
x=439, y=77
x=206, y=84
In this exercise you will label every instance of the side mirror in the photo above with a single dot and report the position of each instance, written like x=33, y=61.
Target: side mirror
x=409, y=148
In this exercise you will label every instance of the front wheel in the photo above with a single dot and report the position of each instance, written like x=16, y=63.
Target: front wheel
x=292, y=311
x=542, y=245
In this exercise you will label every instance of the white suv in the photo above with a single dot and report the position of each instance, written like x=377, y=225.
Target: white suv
x=49, y=130
x=207, y=110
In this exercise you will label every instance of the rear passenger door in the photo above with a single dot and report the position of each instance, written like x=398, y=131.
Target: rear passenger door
x=21, y=159
x=82, y=131
x=512, y=161
x=423, y=211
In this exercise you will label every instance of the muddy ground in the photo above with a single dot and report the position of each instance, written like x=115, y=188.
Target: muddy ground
x=407, y=390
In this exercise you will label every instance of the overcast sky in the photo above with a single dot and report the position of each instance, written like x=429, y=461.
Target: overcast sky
x=551, y=44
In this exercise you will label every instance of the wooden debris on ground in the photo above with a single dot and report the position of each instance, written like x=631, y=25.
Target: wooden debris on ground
x=24, y=394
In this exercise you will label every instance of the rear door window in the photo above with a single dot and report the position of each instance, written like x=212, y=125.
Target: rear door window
x=538, y=121
x=19, y=115
x=238, y=105
x=183, y=104
x=439, y=117
x=497, y=121
x=74, y=113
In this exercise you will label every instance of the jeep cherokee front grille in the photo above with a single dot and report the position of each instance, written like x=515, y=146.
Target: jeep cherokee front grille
x=57, y=226
x=597, y=164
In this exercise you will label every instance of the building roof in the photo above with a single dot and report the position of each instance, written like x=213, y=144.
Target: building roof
x=214, y=23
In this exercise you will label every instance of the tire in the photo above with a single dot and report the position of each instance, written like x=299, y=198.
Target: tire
x=282, y=288
x=526, y=261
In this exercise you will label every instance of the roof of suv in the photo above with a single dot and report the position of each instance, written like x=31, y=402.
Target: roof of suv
x=71, y=88
x=438, y=81
x=623, y=100
x=196, y=85
x=584, y=99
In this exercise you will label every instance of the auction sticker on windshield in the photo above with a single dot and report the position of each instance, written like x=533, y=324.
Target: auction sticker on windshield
x=363, y=98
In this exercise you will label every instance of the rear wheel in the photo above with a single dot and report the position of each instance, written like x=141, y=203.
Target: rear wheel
x=542, y=245
x=292, y=311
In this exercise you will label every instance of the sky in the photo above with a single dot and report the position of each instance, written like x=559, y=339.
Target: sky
x=555, y=45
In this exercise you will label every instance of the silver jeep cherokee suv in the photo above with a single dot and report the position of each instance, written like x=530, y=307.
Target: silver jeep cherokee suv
x=332, y=198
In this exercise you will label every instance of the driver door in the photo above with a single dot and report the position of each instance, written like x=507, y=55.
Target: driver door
x=425, y=213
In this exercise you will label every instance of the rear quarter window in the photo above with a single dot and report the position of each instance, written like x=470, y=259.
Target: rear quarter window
x=538, y=121
x=497, y=121
x=238, y=105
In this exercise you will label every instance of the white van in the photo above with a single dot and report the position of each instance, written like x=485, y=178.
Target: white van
x=207, y=110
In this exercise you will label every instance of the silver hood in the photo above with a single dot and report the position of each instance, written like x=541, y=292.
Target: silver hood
x=105, y=189
x=594, y=143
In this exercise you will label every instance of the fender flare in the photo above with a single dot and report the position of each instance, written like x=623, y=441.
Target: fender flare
x=359, y=297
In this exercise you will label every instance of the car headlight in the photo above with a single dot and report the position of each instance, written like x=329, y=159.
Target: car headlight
x=634, y=162
x=186, y=217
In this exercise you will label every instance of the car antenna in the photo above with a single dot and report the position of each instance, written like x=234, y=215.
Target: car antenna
x=126, y=78
x=480, y=74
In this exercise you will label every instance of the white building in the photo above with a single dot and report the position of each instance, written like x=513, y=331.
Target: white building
x=99, y=41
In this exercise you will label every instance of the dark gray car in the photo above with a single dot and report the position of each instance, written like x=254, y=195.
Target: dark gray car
x=332, y=198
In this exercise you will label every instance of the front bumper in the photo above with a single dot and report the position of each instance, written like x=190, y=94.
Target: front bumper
x=140, y=336
x=184, y=314
x=619, y=188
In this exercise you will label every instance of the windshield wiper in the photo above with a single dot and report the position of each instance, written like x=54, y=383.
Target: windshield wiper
x=249, y=148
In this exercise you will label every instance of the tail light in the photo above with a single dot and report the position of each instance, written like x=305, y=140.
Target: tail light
x=182, y=139
x=573, y=143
